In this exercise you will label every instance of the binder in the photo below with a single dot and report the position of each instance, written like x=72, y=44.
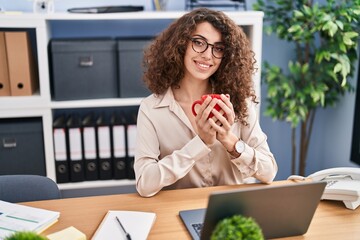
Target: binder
x=60, y=150
x=4, y=72
x=104, y=147
x=118, y=136
x=131, y=144
x=75, y=148
x=90, y=152
x=21, y=64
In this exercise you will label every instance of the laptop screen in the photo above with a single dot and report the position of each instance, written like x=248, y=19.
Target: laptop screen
x=280, y=210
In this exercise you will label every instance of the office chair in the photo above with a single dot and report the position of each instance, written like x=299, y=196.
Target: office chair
x=26, y=188
x=236, y=4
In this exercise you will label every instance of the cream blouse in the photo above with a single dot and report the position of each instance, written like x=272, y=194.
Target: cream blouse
x=170, y=155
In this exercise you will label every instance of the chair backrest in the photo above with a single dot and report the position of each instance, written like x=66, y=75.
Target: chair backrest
x=26, y=188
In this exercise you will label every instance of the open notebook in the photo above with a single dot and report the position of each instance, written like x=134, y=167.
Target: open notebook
x=137, y=224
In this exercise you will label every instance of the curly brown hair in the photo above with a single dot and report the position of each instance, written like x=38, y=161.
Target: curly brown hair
x=164, y=58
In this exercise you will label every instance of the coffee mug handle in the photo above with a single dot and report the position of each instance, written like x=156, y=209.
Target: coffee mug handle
x=193, y=106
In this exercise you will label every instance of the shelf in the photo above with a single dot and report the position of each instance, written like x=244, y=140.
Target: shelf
x=27, y=20
x=96, y=184
x=246, y=17
x=23, y=102
x=108, y=102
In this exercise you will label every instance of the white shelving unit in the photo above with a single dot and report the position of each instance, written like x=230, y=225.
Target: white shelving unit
x=41, y=105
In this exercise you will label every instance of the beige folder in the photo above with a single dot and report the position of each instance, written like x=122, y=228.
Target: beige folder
x=4, y=72
x=22, y=71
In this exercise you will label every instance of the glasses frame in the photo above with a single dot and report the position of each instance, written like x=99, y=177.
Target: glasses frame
x=193, y=39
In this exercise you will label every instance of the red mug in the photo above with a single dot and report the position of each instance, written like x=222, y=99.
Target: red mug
x=200, y=101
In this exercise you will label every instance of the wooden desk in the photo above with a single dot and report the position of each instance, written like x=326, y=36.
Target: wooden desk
x=331, y=221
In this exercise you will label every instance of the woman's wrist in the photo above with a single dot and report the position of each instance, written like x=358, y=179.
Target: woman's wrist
x=229, y=143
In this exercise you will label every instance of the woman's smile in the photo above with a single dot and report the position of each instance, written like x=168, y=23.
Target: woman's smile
x=202, y=65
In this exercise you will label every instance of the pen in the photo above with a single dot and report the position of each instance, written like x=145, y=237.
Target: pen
x=128, y=237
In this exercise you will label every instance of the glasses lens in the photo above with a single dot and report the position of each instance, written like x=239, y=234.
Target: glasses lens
x=199, y=45
x=218, y=50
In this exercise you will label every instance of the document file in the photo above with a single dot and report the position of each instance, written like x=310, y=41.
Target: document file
x=131, y=140
x=21, y=63
x=4, y=72
x=90, y=149
x=75, y=149
x=119, y=145
x=104, y=147
x=16, y=217
x=60, y=150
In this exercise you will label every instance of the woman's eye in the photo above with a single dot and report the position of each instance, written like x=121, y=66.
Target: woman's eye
x=219, y=48
x=199, y=43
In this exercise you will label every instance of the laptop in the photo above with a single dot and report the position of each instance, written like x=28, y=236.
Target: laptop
x=280, y=211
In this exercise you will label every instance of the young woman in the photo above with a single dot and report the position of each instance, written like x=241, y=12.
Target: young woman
x=203, y=52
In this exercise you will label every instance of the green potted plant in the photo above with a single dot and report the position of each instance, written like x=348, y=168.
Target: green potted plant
x=25, y=235
x=325, y=40
x=237, y=227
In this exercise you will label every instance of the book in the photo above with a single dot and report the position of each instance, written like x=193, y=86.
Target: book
x=137, y=224
x=15, y=217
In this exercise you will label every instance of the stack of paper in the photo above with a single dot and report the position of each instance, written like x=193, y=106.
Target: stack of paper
x=16, y=217
x=137, y=224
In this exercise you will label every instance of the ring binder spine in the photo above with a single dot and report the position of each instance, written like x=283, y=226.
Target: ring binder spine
x=76, y=160
x=90, y=149
x=60, y=150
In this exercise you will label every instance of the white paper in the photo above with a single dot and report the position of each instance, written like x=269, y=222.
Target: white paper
x=137, y=224
x=16, y=217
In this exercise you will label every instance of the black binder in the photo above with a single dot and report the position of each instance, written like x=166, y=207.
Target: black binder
x=104, y=147
x=90, y=149
x=118, y=136
x=76, y=160
x=131, y=131
x=60, y=150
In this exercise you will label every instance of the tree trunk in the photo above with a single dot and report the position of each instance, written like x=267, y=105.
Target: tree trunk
x=293, y=151
x=302, y=151
x=306, y=130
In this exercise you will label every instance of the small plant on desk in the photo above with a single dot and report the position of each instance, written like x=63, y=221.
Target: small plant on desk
x=25, y=236
x=237, y=227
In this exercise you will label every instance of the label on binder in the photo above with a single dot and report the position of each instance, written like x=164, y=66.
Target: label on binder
x=119, y=141
x=131, y=130
x=75, y=144
x=104, y=142
x=89, y=142
x=60, y=144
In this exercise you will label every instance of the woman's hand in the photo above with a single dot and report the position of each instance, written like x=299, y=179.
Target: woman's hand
x=222, y=121
x=205, y=130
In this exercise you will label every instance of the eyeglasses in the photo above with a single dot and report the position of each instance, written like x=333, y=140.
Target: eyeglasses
x=199, y=45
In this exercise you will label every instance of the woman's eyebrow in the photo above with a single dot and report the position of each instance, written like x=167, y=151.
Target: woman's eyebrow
x=201, y=36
